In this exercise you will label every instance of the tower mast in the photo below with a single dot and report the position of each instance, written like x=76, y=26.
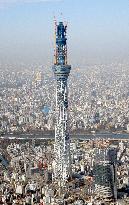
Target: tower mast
x=62, y=141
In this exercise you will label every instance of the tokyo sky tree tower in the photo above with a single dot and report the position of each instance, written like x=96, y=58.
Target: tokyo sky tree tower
x=61, y=70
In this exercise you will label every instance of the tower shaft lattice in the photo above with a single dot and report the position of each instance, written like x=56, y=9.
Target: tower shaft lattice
x=62, y=140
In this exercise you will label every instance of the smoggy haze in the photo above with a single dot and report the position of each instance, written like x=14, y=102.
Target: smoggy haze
x=98, y=30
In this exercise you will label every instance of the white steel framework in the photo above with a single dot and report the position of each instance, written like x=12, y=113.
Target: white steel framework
x=62, y=140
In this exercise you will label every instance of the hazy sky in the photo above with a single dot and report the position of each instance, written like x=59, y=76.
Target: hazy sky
x=98, y=30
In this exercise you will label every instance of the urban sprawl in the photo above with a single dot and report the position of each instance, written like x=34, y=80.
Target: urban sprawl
x=98, y=99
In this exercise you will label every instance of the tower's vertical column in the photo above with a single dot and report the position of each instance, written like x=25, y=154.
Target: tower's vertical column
x=61, y=71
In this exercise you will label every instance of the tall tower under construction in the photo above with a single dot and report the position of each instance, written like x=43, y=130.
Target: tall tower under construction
x=61, y=70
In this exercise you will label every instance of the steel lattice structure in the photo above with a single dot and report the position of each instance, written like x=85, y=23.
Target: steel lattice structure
x=61, y=71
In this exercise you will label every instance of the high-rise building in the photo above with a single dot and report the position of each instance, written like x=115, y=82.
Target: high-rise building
x=105, y=174
x=61, y=70
x=37, y=81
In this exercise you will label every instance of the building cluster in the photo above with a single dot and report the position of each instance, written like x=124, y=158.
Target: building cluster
x=98, y=99
x=100, y=173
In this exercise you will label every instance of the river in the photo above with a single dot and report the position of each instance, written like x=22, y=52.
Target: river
x=115, y=136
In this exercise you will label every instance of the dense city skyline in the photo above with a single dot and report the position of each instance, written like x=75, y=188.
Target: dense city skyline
x=98, y=30
x=64, y=103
